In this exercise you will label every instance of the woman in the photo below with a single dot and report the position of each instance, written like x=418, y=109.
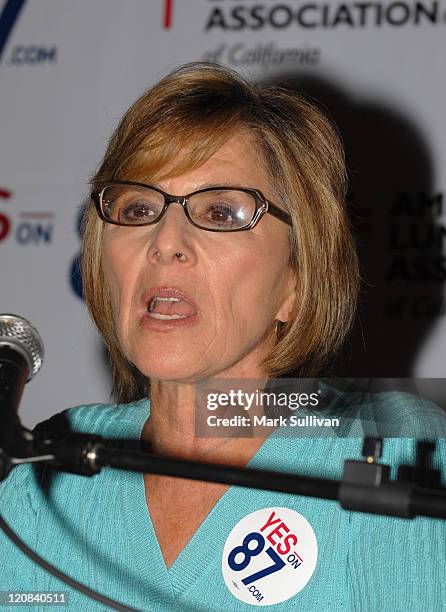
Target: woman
x=247, y=271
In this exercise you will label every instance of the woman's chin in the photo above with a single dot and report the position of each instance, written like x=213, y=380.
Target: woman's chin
x=170, y=372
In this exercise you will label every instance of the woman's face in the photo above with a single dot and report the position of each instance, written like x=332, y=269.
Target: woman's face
x=238, y=282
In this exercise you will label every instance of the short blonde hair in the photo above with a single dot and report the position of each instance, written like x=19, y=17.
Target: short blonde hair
x=200, y=106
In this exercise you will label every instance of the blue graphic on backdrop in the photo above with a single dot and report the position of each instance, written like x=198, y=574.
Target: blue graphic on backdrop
x=75, y=270
x=21, y=54
x=8, y=17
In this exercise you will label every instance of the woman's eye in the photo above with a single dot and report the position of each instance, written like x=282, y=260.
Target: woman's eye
x=221, y=213
x=137, y=212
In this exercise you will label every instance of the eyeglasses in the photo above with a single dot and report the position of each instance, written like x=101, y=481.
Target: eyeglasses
x=216, y=209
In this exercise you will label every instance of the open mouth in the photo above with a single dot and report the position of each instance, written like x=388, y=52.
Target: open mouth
x=169, y=308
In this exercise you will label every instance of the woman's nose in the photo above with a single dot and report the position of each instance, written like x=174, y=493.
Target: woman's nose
x=171, y=239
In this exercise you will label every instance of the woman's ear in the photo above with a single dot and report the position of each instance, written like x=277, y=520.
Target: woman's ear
x=289, y=298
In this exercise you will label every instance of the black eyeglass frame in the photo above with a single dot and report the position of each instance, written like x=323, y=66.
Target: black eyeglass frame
x=262, y=205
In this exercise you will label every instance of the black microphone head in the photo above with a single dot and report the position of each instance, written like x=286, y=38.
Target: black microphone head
x=18, y=334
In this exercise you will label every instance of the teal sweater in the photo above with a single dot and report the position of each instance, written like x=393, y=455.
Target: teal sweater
x=99, y=531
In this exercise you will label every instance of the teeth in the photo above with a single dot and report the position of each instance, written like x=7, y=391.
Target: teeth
x=155, y=315
x=156, y=299
x=163, y=317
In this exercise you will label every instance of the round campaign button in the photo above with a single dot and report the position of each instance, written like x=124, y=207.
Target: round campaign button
x=269, y=556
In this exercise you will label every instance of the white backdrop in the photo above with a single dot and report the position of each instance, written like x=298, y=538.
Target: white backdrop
x=69, y=70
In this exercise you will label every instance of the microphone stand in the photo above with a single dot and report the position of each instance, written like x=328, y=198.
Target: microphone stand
x=366, y=485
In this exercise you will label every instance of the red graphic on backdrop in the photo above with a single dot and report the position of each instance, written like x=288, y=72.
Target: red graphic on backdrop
x=5, y=194
x=168, y=14
x=5, y=224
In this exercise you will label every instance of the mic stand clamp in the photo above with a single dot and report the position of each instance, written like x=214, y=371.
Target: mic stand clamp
x=71, y=452
x=366, y=485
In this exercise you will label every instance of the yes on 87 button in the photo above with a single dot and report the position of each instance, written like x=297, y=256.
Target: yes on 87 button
x=269, y=556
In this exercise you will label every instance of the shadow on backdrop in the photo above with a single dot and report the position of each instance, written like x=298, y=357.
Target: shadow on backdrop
x=395, y=217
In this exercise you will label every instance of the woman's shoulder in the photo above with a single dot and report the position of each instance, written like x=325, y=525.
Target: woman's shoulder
x=372, y=409
x=33, y=496
x=21, y=491
x=408, y=415
x=108, y=420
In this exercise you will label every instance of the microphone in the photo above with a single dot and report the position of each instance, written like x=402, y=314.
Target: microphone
x=21, y=357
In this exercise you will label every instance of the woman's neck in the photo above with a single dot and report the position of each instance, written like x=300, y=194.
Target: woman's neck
x=170, y=429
